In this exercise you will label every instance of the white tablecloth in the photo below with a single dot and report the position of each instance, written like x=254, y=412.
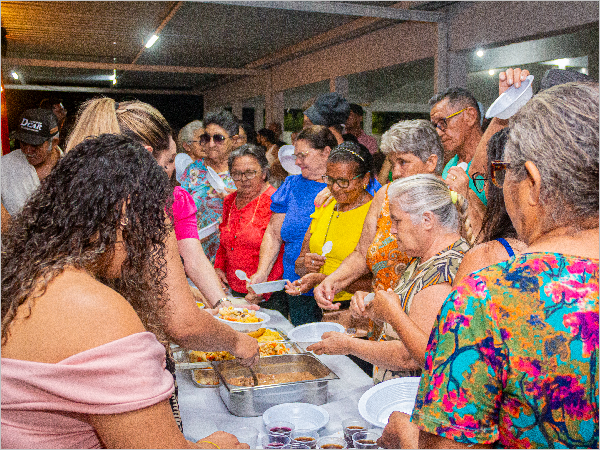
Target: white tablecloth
x=203, y=412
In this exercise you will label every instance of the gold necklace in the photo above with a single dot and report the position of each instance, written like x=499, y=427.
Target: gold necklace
x=334, y=210
x=251, y=220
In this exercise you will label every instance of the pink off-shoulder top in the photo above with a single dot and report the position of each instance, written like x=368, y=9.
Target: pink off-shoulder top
x=41, y=402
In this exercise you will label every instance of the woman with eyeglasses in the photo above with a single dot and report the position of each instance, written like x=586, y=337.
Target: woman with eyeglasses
x=512, y=359
x=348, y=172
x=497, y=241
x=220, y=130
x=292, y=206
x=246, y=214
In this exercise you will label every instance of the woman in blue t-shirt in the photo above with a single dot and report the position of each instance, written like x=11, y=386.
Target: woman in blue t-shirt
x=292, y=205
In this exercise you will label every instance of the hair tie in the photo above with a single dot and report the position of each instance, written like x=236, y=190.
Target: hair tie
x=116, y=105
x=454, y=196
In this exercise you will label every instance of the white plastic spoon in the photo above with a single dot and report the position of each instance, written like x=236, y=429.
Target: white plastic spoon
x=327, y=246
x=368, y=298
x=242, y=275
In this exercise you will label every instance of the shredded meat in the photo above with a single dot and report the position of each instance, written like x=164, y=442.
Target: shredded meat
x=276, y=378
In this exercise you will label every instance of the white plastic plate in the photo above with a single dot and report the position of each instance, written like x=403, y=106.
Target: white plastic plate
x=304, y=416
x=287, y=160
x=312, y=332
x=208, y=230
x=247, y=327
x=269, y=286
x=215, y=180
x=398, y=394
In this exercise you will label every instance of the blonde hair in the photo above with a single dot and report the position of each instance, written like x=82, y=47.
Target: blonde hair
x=135, y=119
x=420, y=193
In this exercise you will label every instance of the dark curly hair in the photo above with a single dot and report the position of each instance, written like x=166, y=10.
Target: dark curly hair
x=496, y=222
x=71, y=220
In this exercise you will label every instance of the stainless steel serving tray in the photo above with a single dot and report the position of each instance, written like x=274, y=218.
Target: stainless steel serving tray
x=250, y=401
x=204, y=370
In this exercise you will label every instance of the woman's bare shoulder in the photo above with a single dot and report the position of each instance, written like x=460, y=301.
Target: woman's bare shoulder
x=484, y=255
x=74, y=314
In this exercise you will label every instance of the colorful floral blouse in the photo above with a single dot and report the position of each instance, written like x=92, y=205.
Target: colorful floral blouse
x=513, y=356
x=209, y=204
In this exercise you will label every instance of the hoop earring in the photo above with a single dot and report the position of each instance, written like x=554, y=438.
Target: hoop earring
x=124, y=222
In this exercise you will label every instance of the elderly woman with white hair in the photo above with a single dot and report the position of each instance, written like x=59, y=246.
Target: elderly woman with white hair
x=512, y=360
x=188, y=140
x=412, y=147
x=426, y=223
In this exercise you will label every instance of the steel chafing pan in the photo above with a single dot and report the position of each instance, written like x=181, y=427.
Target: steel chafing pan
x=250, y=401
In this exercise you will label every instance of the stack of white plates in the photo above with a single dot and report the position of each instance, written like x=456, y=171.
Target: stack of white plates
x=399, y=394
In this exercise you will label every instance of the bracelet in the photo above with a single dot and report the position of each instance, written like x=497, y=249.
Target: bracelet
x=221, y=300
x=209, y=442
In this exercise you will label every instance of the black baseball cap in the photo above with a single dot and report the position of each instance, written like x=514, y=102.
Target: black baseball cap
x=36, y=126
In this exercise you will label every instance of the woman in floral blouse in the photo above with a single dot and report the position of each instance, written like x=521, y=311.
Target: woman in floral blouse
x=513, y=357
x=220, y=132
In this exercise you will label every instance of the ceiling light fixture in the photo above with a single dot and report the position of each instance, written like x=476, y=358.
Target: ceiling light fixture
x=15, y=75
x=480, y=53
x=491, y=72
x=583, y=70
x=152, y=40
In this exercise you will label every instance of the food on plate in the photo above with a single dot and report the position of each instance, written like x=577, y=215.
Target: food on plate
x=196, y=356
x=243, y=316
x=273, y=348
x=206, y=376
x=200, y=305
x=272, y=378
x=258, y=333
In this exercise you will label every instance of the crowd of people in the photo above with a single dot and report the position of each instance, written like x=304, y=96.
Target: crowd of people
x=474, y=267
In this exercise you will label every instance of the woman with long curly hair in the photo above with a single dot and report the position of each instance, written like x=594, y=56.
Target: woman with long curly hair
x=83, y=290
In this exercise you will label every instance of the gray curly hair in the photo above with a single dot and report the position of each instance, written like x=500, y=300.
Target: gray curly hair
x=418, y=137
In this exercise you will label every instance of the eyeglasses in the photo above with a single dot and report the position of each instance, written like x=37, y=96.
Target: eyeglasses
x=498, y=171
x=217, y=138
x=479, y=180
x=343, y=183
x=442, y=124
x=301, y=155
x=238, y=176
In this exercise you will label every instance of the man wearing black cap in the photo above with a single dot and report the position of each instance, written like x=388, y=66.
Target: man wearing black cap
x=331, y=110
x=354, y=127
x=23, y=169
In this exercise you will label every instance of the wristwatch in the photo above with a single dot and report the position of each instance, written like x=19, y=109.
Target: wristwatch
x=221, y=300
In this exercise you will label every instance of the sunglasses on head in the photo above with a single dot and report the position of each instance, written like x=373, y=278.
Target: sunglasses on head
x=498, y=171
x=217, y=138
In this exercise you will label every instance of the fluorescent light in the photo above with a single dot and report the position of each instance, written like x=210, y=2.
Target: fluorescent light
x=479, y=53
x=152, y=40
x=491, y=72
x=15, y=75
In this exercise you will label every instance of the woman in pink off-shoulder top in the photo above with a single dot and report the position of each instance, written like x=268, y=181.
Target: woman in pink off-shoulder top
x=83, y=289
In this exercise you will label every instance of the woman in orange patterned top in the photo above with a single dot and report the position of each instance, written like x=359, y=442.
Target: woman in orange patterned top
x=412, y=147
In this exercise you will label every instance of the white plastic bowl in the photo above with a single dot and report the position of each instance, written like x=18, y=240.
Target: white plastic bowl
x=269, y=286
x=247, y=327
x=287, y=160
x=312, y=332
x=511, y=100
x=398, y=394
x=304, y=416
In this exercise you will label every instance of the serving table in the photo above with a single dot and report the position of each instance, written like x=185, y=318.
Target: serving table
x=203, y=412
